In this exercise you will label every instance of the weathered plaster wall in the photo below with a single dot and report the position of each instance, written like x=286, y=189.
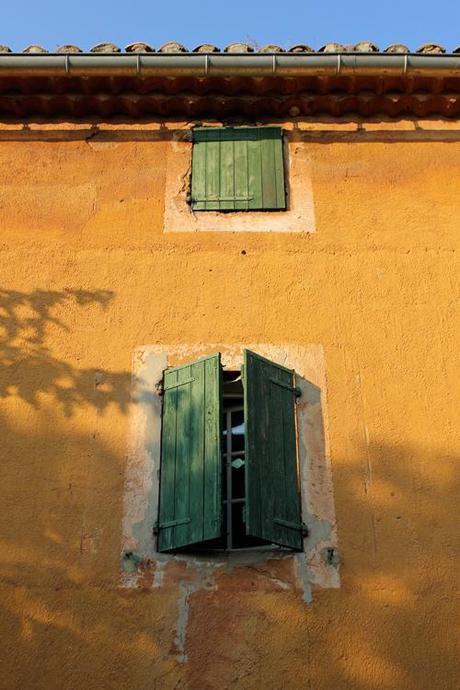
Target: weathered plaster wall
x=88, y=275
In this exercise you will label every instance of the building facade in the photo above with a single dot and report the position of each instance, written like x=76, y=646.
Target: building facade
x=278, y=232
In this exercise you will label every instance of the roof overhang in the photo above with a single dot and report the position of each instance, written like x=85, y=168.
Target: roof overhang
x=228, y=84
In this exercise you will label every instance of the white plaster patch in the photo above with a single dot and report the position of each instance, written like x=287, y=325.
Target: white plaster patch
x=318, y=565
x=179, y=217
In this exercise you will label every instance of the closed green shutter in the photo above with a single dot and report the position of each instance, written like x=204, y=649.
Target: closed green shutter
x=272, y=487
x=190, y=474
x=238, y=169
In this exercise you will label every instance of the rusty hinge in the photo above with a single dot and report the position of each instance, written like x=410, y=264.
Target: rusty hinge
x=176, y=385
x=174, y=523
x=223, y=198
x=301, y=527
x=295, y=389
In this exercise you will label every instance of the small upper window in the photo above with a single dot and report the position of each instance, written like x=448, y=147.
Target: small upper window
x=238, y=169
x=229, y=471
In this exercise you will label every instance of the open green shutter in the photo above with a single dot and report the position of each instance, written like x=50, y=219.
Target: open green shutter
x=238, y=169
x=273, y=499
x=190, y=473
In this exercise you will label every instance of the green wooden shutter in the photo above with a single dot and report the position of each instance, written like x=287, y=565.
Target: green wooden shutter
x=238, y=169
x=272, y=487
x=190, y=473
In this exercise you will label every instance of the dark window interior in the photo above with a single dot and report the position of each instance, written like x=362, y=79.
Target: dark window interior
x=233, y=471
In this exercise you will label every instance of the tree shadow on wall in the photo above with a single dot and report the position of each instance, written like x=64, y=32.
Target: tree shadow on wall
x=63, y=620
x=29, y=368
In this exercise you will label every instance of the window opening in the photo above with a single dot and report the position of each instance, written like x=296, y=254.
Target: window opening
x=234, y=465
x=212, y=495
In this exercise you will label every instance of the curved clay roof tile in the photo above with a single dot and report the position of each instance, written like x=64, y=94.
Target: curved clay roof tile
x=365, y=47
x=301, y=48
x=206, y=48
x=397, y=48
x=238, y=48
x=69, y=48
x=271, y=48
x=332, y=48
x=172, y=47
x=34, y=49
x=105, y=48
x=139, y=48
x=432, y=48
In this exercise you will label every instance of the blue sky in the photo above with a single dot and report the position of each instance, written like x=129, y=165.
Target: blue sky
x=285, y=22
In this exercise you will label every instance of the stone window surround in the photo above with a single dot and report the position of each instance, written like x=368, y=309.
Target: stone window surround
x=318, y=564
x=179, y=216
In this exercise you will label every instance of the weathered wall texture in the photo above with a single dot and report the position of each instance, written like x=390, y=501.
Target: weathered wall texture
x=88, y=276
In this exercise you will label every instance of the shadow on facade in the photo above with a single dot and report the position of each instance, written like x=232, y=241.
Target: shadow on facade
x=64, y=621
x=29, y=368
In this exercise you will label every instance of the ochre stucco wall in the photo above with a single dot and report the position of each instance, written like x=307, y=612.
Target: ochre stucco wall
x=88, y=275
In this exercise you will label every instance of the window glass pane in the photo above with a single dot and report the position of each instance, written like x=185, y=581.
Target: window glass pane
x=237, y=430
x=238, y=529
x=238, y=477
x=224, y=432
x=224, y=480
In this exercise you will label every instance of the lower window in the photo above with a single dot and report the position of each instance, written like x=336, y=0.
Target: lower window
x=229, y=476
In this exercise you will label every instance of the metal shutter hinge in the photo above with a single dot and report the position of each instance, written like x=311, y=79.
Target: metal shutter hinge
x=302, y=527
x=295, y=389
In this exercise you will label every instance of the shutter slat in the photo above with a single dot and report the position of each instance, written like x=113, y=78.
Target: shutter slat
x=279, y=173
x=190, y=477
x=168, y=469
x=212, y=175
x=241, y=173
x=254, y=171
x=183, y=453
x=278, y=468
x=267, y=154
x=199, y=176
x=212, y=450
x=197, y=468
x=273, y=498
x=227, y=170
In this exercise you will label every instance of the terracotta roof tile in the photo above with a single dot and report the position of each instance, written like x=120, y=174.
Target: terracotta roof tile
x=206, y=48
x=34, y=49
x=105, y=48
x=139, y=48
x=271, y=48
x=332, y=48
x=365, y=47
x=301, y=48
x=69, y=48
x=397, y=48
x=238, y=48
x=431, y=48
x=172, y=47
x=241, y=47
